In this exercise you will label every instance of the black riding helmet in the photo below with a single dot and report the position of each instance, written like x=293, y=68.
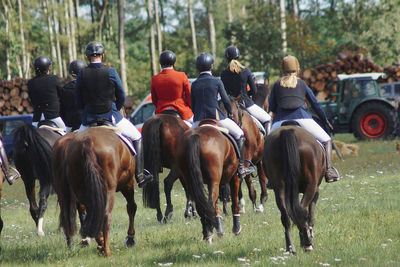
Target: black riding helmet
x=75, y=66
x=94, y=49
x=167, y=58
x=204, y=62
x=232, y=52
x=41, y=64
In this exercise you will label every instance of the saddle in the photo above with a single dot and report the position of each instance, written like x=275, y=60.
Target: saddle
x=224, y=131
x=295, y=123
x=171, y=112
x=109, y=125
x=51, y=125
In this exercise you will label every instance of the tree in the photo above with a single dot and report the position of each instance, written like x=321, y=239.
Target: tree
x=121, y=24
x=192, y=27
x=152, y=38
x=158, y=25
x=283, y=25
x=6, y=18
x=212, y=29
x=25, y=63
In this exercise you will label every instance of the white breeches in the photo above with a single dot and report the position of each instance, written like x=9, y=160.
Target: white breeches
x=230, y=125
x=259, y=113
x=311, y=126
x=189, y=122
x=58, y=121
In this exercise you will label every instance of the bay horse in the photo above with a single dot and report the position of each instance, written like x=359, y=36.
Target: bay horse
x=294, y=162
x=89, y=168
x=207, y=156
x=162, y=133
x=32, y=158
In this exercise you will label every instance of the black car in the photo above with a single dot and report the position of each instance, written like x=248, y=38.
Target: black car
x=7, y=126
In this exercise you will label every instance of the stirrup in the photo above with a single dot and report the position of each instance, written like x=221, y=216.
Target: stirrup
x=332, y=175
x=244, y=171
x=144, y=178
x=12, y=175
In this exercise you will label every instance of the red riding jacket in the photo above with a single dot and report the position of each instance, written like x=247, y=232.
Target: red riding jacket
x=171, y=89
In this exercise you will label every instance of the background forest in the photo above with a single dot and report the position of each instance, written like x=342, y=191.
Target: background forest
x=135, y=32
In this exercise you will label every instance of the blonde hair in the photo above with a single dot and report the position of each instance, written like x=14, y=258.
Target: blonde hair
x=235, y=66
x=289, y=80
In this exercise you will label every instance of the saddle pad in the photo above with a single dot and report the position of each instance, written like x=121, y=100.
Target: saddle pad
x=60, y=131
x=221, y=129
x=258, y=123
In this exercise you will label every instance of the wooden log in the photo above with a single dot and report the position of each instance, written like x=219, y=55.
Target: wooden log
x=14, y=92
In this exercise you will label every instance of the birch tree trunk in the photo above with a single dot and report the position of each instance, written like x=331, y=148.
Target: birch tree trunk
x=152, y=39
x=68, y=30
x=47, y=11
x=72, y=27
x=57, y=35
x=212, y=29
x=101, y=22
x=76, y=6
x=193, y=28
x=230, y=19
x=121, y=24
x=158, y=25
x=25, y=67
x=7, y=21
x=283, y=26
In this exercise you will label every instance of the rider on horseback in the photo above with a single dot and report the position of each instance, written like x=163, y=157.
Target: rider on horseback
x=100, y=93
x=170, y=89
x=10, y=173
x=70, y=113
x=235, y=79
x=205, y=105
x=287, y=101
x=44, y=93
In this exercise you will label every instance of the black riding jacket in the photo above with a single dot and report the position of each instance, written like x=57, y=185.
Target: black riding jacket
x=44, y=92
x=69, y=111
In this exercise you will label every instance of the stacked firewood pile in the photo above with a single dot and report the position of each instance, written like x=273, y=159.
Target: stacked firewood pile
x=14, y=97
x=322, y=79
x=393, y=72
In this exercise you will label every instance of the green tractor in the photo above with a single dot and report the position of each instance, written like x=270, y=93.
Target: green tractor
x=358, y=107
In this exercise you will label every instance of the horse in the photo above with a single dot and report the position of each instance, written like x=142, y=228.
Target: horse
x=161, y=135
x=253, y=151
x=32, y=158
x=207, y=156
x=295, y=163
x=2, y=177
x=89, y=168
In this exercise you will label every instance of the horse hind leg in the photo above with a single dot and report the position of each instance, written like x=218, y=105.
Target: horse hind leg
x=43, y=195
x=131, y=208
x=168, y=184
x=252, y=191
x=285, y=219
x=264, y=193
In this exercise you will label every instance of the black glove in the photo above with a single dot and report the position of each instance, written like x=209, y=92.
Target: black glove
x=230, y=116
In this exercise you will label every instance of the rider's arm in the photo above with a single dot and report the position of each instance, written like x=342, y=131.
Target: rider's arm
x=119, y=90
x=271, y=100
x=253, y=87
x=78, y=89
x=186, y=90
x=153, y=92
x=224, y=97
x=315, y=105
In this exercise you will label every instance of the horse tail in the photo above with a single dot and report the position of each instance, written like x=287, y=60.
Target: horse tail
x=28, y=143
x=291, y=159
x=96, y=193
x=67, y=204
x=152, y=163
x=205, y=207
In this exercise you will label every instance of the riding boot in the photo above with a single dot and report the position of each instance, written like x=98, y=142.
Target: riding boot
x=242, y=170
x=142, y=175
x=11, y=174
x=267, y=127
x=331, y=174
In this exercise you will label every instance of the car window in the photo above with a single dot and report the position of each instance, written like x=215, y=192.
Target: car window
x=386, y=90
x=10, y=125
x=144, y=113
x=397, y=89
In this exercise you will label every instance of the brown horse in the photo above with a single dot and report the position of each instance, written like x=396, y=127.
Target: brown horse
x=32, y=158
x=96, y=165
x=161, y=135
x=295, y=163
x=207, y=156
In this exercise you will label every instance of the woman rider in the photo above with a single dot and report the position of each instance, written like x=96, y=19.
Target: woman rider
x=235, y=79
x=205, y=90
x=287, y=103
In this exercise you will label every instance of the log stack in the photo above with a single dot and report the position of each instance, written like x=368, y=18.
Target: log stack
x=14, y=99
x=393, y=72
x=322, y=79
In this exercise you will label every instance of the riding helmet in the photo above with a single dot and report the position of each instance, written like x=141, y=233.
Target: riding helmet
x=232, y=52
x=75, y=66
x=94, y=49
x=41, y=64
x=290, y=64
x=167, y=58
x=204, y=62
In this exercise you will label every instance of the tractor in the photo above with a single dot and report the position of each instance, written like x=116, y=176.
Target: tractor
x=358, y=107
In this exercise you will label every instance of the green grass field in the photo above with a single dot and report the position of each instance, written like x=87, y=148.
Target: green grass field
x=357, y=223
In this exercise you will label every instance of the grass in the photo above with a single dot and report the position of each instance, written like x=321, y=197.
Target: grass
x=357, y=223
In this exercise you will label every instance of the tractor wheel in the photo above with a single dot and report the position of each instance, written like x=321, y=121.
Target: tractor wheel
x=374, y=120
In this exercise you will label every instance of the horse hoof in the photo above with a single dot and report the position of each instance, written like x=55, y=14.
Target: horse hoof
x=209, y=239
x=260, y=208
x=237, y=231
x=130, y=241
x=169, y=216
x=85, y=242
x=308, y=248
x=220, y=235
x=40, y=233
